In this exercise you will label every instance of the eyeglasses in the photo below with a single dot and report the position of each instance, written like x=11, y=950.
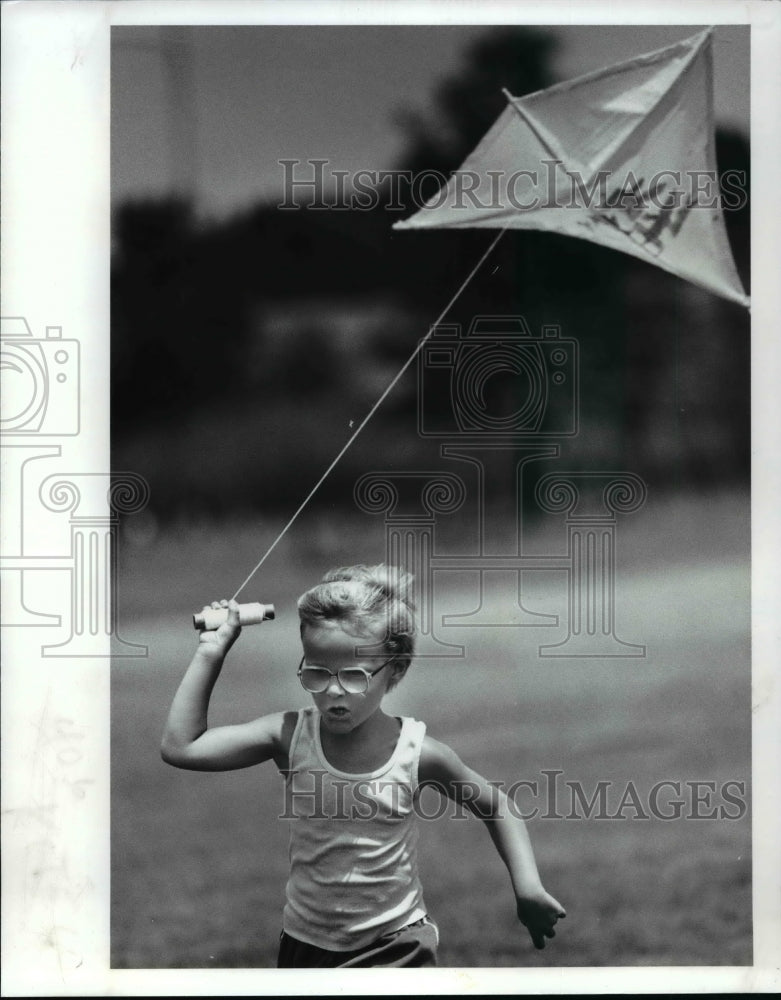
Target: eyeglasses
x=353, y=680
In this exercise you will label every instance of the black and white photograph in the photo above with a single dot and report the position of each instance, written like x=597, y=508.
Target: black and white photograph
x=388, y=560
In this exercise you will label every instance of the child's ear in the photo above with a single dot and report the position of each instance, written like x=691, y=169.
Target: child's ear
x=398, y=670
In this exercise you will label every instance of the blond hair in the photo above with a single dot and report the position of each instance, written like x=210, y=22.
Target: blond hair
x=366, y=600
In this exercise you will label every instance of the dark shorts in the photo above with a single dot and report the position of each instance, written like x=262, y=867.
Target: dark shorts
x=414, y=946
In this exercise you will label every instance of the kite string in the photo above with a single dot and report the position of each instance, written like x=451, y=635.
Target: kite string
x=373, y=410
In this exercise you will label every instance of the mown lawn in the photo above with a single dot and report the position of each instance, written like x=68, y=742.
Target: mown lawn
x=199, y=860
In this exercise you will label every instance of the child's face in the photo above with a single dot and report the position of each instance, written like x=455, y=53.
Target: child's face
x=331, y=647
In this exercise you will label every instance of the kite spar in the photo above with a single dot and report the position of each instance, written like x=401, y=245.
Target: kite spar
x=624, y=157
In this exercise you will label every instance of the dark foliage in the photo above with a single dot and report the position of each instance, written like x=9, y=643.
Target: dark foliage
x=664, y=381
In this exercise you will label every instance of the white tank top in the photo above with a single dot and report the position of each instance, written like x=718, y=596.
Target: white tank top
x=353, y=842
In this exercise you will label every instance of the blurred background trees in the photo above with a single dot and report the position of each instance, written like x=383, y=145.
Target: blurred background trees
x=242, y=348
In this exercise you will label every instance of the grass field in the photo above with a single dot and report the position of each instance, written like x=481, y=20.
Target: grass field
x=200, y=860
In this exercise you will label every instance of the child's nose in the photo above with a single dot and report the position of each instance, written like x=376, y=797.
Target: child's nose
x=334, y=689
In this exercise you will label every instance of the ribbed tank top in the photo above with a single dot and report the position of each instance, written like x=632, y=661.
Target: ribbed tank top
x=353, y=842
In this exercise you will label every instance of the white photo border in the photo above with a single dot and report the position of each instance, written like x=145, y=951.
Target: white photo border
x=55, y=270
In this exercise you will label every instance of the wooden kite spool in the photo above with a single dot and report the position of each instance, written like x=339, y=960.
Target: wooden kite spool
x=249, y=614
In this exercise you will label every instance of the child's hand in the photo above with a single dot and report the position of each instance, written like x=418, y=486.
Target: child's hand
x=220, y=640
x=538, y=912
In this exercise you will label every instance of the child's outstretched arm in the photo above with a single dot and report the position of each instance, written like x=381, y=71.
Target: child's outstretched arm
x=441, y=767
x=187, y=740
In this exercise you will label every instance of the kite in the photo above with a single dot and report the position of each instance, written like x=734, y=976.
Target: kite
x=623, y=156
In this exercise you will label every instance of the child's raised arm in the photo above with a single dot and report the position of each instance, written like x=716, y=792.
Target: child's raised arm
x=441, y=767
x=187, y=740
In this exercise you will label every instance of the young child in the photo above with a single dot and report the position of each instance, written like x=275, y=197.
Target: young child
x=353, y=774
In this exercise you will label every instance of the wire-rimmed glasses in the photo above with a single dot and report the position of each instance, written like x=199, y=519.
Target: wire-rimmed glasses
x=353, y=680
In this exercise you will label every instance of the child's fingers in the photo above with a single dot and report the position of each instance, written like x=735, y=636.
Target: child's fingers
x=232, y=620
x=223, y=605
x=230, y=629
x=538, y=935
x=558, y=910
x=541, y=918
